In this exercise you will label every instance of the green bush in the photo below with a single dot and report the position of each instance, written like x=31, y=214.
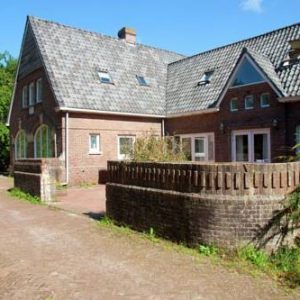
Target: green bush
x=256, y=257
x=156, y=149
x=208, y=250
x=287, y=261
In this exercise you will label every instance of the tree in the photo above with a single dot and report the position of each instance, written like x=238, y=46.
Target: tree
x=8, y=66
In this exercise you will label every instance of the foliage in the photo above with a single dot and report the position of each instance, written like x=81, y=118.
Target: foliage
x=154, y=148
x=8, y=66
x=208, y=250
x=17, y=193
x=292, y=205
x=287, y=261
x=256, y=257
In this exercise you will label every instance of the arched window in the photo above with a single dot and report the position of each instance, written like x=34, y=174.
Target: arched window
x=43, y=142
x=21, y=145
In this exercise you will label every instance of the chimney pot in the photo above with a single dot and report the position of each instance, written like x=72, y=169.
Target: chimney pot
x=127, y=34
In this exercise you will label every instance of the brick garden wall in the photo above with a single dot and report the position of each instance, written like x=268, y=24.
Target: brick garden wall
x=38, y=176
x=221, y=204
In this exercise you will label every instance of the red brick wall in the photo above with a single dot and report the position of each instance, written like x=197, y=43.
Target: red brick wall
x=44, y=113
x=84, y=166
x=242, y=119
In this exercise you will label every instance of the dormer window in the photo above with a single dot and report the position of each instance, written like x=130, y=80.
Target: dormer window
x=206, y=78
x=246, y=74
x=141, y=80
x=104, y=77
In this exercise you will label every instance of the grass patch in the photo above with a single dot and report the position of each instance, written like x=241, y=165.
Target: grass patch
x=283, y=265
x=17, y=193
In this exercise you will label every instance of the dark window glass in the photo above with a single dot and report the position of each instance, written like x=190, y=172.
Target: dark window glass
x=246, y=74
x=141, y=80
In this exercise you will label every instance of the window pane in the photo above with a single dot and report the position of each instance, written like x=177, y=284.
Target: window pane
x=94, y=143
x=264, y=100
x=261, y=147
x=199, y=145
x=234, y=104
x=44, y=142
x=242, y=147
x=21, y=145
x=25, y=96
x=126, y=145
x=246, y=74
x=31, y=94
x=39, y=88
x=249, y=102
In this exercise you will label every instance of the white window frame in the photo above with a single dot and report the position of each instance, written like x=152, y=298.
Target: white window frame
x=245, y=100
x=98, y=144
x=204, y=136
x=231, y=100
x=31, y=94
x=119, y=155
x=25, y=96
x=250, y=133
x=39, y=90
x=261, y=97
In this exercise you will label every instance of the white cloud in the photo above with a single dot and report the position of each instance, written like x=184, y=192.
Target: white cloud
x=252, y=5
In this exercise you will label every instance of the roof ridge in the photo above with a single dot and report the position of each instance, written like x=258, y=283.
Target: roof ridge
x=101, y=34
x=237, y=42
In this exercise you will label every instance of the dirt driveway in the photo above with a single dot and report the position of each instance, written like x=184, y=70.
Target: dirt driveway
x=52, y=254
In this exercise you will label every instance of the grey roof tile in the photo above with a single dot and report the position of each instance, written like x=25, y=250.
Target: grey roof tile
x=268, y=50
x=73, y=56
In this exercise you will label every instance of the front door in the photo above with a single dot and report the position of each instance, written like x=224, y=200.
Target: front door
x=251, y=145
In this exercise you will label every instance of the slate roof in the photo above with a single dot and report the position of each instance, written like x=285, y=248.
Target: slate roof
x=73, y=56
x=268, y=50
x=264, y=63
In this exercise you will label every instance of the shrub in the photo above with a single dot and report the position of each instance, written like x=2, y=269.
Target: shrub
x=156, y=149
x=287, y=260
x=257, y=257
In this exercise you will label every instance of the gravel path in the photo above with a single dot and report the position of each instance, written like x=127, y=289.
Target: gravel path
x=52, y=254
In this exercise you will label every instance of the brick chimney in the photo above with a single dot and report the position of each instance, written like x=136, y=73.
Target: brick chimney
x=127, y=34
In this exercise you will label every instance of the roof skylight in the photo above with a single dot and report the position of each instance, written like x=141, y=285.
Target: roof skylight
x=141, y=80
x=206, y=77
x=104, y=77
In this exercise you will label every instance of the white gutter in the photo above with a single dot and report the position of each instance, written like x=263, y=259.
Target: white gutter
x=162, y=127
x=289, y=99
x=92, y=111
x=191, y=113
x=67, y=147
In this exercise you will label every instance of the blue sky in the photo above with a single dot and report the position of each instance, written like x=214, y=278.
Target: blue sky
x=184, y=26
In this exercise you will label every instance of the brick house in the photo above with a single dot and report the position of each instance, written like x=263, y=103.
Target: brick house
x=82, y=97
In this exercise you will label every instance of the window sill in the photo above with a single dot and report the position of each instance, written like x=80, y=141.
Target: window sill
x=95, y=153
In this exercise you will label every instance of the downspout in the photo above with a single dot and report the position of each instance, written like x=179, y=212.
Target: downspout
x=162, y=127
x=67, y=148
